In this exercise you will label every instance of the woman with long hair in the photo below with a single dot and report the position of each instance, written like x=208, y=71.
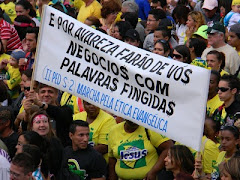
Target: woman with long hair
x=40, y=123
x=179, y=160
x=162, y=48
x=195, y=20
x=181, y=53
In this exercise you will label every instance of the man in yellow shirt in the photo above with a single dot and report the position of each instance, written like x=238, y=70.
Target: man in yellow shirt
x=89, y=8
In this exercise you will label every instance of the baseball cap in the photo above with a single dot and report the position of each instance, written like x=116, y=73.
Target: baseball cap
x=216, y=27
x=18, y=54
x=167, y=23
x=133, y=34
x=235, y=2
x=210, y=4
x=202, y=31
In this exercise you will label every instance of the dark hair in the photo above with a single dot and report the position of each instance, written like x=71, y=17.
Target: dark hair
x=123, y=27
x=157, y=14
x=198, y=45
x=34, y=138
x=1, y=13
x=183, y=158
x=235, y=30
x=2, y=51
x=184, y=51
x=95, y=21
x=27, y=5
x=163, y=3
x=217, y=74
x=165, y=44
x=34, y=30
x=6, y=114
x=109, y=7
x=28, y=73
x=4, y=92
x=220, y=57
x=165, y=31
x=60, y=6
x=18, y=24
x=183, y=2
x=71, y=11
x=227, y=4
x=216, y=124
x=34, y=152
x=155, y=1
x=184, y=176
x=233, y=81
x=131, y=17
x=181, y=12
x=25, y=161
x=233, y=129
x=74, y=124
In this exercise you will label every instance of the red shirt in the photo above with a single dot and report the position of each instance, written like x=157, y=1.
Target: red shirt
x=8, y=32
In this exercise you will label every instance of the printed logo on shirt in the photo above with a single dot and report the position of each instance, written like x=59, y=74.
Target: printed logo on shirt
x=90, y=141
x=132, y=154
x=74, y=167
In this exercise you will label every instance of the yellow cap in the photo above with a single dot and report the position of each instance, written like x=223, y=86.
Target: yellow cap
x=235, y=2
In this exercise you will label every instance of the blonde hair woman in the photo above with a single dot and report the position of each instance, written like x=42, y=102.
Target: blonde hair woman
x=195, y=20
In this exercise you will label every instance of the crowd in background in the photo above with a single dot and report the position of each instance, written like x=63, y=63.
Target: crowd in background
x=49, y=134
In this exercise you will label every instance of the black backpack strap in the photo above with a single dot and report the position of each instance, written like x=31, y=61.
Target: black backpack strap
x=147, y=133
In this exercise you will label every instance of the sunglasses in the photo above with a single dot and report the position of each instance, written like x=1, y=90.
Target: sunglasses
x=177, y=56
x=26, y=88
x=222, y=89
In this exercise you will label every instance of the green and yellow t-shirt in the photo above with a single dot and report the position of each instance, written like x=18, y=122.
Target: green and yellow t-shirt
x=9, y=9
x=213, y=104
x=4, y=56
x=221, y=158
x=135, y=153
x=75, y=103
x=13, y=80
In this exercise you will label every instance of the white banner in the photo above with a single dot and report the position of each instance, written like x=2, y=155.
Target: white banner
x=158, y=93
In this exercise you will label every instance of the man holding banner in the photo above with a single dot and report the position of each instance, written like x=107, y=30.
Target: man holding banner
x=148, y=89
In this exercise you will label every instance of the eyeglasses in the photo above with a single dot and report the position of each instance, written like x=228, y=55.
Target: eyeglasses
x=26, y=88
x=177, y=56
x=223, y=89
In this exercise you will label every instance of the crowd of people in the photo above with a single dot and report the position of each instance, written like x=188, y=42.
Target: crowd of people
x=49, y=134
